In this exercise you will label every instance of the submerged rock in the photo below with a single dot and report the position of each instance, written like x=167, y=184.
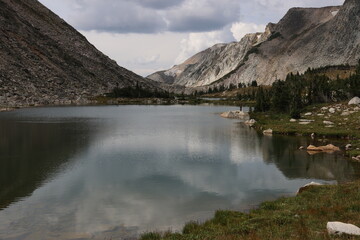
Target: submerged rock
x=339, y=228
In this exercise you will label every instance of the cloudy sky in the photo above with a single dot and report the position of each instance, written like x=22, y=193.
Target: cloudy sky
x=150, y=35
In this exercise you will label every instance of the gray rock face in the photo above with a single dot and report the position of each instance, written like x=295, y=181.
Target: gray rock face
x=305, y=37
x=208, y=66
x=43, y=60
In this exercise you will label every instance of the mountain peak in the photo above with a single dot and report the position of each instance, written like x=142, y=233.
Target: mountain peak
x=43, y=60
x=303, y=38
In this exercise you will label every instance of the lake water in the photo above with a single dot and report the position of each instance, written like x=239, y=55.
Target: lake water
x=114, y=172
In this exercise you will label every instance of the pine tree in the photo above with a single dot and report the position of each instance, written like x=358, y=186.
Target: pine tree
x=262, y=101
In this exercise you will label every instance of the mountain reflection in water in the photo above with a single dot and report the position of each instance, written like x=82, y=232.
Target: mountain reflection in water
x=118, y=171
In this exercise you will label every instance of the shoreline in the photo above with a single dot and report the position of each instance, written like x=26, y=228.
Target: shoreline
x=320, y=122
x=102, y=101
x=304, y=217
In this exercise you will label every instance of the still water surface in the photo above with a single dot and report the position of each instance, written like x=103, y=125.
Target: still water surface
x=115, y=172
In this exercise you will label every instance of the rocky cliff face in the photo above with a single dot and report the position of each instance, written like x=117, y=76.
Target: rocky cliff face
x=43, y=60
x=305, y=37
x=208, y=66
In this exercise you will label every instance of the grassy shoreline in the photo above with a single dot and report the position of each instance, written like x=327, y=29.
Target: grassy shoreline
x=302, y=217
x=345, y=124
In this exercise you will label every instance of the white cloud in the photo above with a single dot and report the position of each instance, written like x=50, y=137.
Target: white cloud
x=240, y=29
x=147, y=60
x=141, y=53
x=196, y=42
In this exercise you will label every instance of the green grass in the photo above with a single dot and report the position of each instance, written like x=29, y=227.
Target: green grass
x=344, y=126
x=355, y=149
x=302, y=217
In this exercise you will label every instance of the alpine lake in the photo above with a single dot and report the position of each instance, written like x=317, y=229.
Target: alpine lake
x=115, y=172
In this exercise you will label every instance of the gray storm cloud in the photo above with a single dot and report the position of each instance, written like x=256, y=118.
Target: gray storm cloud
x=117, y=17
x=203, y=15
x=157, y=16
x=158, y=4
x=152, y=16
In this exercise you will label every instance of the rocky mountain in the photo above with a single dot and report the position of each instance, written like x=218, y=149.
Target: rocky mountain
x=303, y=38
x=43, y=60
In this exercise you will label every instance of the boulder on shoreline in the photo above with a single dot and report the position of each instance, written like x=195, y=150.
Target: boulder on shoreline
x=307, y=186
x=268, y=132
x=236, y=115
x=250, y=122
x=339, y=228
x=354, y=101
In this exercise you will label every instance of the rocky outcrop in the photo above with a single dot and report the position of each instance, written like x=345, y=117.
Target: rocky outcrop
x=305, y=37
x=354, y=101
x=43, y=60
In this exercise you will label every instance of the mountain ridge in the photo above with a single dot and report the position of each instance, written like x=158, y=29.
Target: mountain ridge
x=303, y=38
x=44, y=60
